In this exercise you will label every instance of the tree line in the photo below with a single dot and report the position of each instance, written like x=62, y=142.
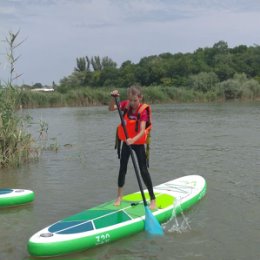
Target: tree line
x=203, y=70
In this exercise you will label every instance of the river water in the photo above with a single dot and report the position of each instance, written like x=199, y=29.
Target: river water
x=221, y=142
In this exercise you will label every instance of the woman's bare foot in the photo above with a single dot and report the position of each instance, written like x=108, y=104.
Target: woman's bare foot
x=152, y=204
x=117, y=201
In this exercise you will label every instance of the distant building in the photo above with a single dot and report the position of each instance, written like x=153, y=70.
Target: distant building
x=42, y=89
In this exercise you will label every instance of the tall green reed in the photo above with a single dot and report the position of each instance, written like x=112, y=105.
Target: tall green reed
x=16, y=144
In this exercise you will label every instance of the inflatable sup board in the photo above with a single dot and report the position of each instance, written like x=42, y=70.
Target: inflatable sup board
x=14, y=197
x=106, y=222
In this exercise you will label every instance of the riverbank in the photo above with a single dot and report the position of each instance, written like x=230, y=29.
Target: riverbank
x=101, y=96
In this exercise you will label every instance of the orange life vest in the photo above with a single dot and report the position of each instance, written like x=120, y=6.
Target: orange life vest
x=133, y=126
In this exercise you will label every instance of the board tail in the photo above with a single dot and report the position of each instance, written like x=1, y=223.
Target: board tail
x=152, y=226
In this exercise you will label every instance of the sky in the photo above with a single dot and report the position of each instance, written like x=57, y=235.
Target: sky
x=56, y=32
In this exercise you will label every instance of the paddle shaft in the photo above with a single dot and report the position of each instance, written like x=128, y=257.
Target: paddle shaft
x=131, y=150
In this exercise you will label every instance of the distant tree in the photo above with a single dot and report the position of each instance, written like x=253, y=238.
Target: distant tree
x=239, y=49
x=37, y=85
x=109, y=76
x=96, y=63
x=220, y=47
x=81, y=64
x=142, y=75
x=95, y=79
x=242, y=60
x=107, y=62
x=88, y=63
x=254, y=60
x=126, y=74
x=209, y=65
x=166, y=55
x=223, y=66
x=150, y=70
x=199, y=62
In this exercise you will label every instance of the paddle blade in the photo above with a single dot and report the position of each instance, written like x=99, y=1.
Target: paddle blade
x=151, y=225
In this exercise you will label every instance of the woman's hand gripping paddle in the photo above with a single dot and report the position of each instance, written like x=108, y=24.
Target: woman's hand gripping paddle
x=152, y=226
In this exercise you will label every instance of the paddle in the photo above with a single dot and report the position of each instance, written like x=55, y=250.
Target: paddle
x=152, y=226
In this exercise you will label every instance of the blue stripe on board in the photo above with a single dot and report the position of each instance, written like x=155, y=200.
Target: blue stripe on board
x=70, y=227
x=5, y=191
x=78, y=229
x=62, y=225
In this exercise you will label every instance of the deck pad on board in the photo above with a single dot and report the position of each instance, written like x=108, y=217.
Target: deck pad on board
x=107, y=214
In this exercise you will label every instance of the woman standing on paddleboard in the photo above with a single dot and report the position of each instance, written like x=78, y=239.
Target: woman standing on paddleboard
x=138, y=124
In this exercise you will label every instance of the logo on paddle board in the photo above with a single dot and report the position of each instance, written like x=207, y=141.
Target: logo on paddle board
x=102, y=239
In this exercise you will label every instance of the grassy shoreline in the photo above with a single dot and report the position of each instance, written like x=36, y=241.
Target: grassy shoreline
x=101, y=96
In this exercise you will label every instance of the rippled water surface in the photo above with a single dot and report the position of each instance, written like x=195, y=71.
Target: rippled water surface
x=221, y=142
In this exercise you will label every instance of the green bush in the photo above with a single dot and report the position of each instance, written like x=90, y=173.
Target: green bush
x=239, y=87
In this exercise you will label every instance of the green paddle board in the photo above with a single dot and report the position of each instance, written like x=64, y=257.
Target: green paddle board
x=106, y=223
x=14, y=197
